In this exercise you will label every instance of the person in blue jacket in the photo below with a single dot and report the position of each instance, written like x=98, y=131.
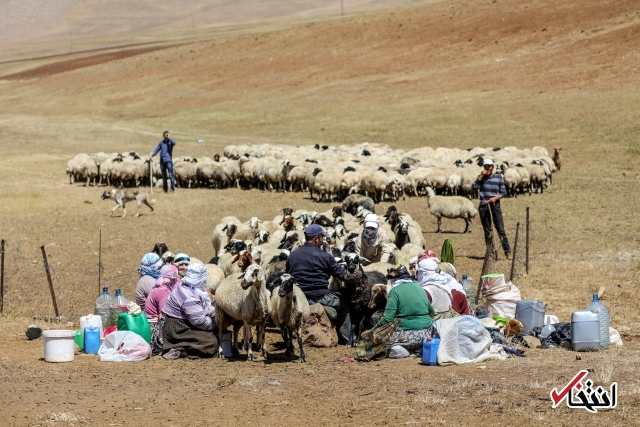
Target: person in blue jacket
x=165, y=148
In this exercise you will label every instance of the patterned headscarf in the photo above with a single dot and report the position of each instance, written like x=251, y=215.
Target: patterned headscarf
x=168, y=277
x=426, y=254
x=150, y=265
x=196, y=276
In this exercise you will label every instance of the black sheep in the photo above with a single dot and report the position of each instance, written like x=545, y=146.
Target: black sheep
x=359, y=295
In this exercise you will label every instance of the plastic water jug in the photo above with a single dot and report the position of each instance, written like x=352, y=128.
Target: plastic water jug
x=603, y=315
x=547, y=330
x=91, y=340
x=101, y=307
x=530, y=314
x=430, y=351
x=118, y=305
x=90, y=320
x=79, y=339
x=136, y=323
x=469, y=290
x=585, y=330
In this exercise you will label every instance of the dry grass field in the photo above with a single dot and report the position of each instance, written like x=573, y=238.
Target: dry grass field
x=450, y=74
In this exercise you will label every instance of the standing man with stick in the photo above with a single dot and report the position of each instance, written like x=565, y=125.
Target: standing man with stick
x=165, y=147
x=492, y=189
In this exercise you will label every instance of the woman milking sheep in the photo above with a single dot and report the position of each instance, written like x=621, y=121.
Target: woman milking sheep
x=374, y=244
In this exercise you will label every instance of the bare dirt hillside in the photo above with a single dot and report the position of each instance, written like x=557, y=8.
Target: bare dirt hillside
x=450, y=74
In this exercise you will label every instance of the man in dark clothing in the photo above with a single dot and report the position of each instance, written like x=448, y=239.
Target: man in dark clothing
x=492, y=189
x=312, y=267
x=165, y=147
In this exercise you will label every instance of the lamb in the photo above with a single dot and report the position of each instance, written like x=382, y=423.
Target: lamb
x=352, y=202
x=290, y=311
x=452, y=208
x=244, y=298
x=557, y=158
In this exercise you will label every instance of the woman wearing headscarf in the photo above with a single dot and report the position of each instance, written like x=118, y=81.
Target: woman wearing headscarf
x=459, y=302
x=149, y=270
x=188, y=325
x=407, y=316
x=181, y=261
x=374, y=244
x=436, y=285
x=167, y=281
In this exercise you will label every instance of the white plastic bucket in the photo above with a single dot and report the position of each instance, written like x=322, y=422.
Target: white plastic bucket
x=58, y=345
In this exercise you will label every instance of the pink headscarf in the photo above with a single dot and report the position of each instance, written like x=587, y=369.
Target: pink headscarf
x=168, y=277
x=426, y=254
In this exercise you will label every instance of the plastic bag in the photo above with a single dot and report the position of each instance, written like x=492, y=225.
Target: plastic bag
x=560, y=338
x=614, y=337
x=463, y=339
x=124, y=346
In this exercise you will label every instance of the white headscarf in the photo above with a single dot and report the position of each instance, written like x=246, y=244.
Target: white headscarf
x=428, y=273
x=196, y=276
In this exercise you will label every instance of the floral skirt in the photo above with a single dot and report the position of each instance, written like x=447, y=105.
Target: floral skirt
x=411, y=339
x=156, y=337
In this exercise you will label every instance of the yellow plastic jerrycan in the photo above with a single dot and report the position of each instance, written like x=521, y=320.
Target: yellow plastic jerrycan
x=135, y=323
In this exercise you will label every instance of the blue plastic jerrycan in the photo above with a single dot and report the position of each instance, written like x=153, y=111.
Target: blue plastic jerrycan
x=430, y=351
x=91, y=340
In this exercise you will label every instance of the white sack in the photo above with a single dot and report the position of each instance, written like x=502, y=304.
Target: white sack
x=503, y=303
x=463, y=339
x=124, y=346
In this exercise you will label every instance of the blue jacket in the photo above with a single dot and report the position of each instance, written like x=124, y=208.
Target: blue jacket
x=166, y=150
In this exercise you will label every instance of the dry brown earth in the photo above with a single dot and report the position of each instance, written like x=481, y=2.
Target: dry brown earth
x=452, y=74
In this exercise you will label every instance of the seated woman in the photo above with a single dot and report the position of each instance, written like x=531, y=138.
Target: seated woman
x=459, y=302
x=436, y=285
x=373, y=244
x=149, y=269
x=189, y=325
x=408, y=308
x=167, y=282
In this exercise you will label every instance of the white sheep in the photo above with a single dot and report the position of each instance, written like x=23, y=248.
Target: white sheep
x=451, y=207
x=224, y=232
x=215, y=275
x=244, y=298
x=290, y=311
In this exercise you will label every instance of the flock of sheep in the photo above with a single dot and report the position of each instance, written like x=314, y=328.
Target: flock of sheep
x=330, y=173
x=248, y=279
x=250, y=256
